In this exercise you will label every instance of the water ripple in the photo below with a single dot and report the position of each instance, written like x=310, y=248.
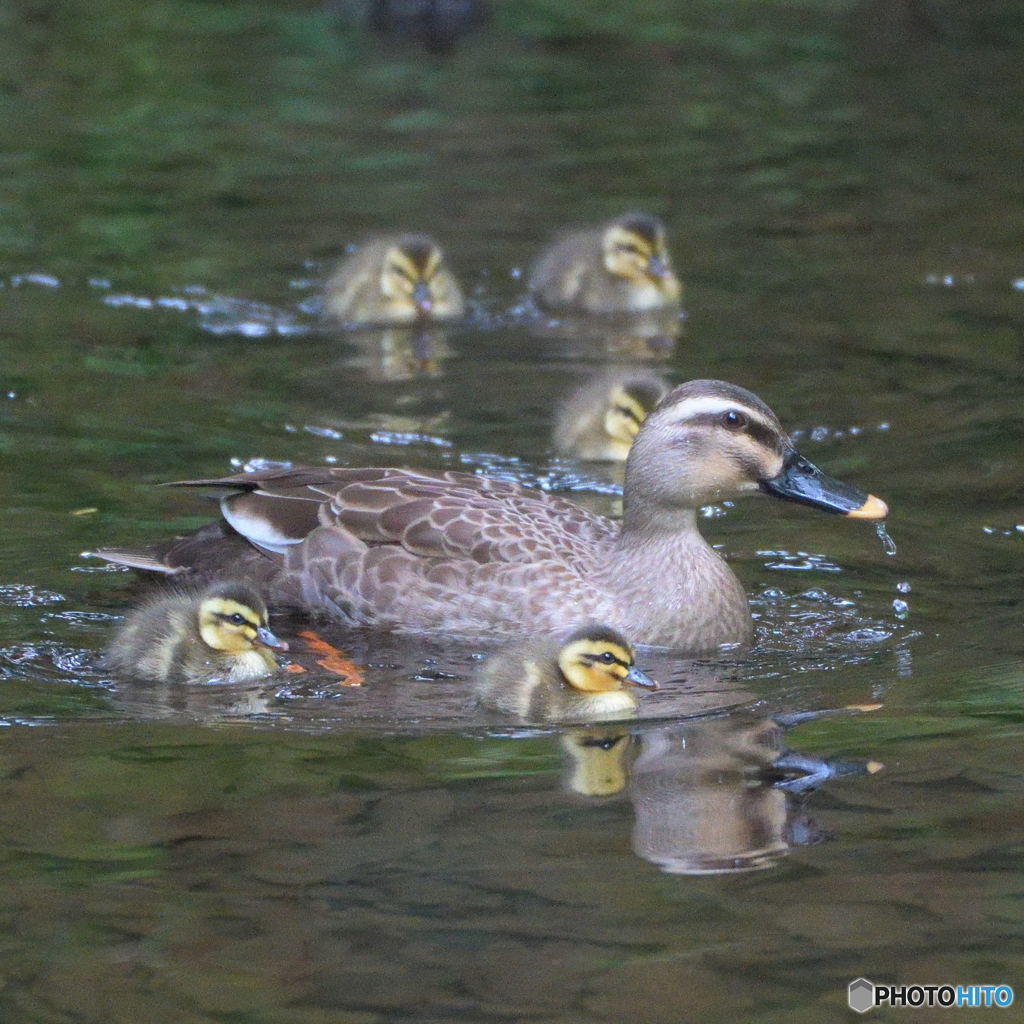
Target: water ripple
x=23, y=595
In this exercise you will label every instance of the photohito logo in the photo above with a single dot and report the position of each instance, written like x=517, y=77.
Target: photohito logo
x=862, y=995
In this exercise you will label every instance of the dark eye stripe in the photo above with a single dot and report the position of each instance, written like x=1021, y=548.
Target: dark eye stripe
x=628, y=413
x=754, y=429
x=229, y=616
x=594, y=659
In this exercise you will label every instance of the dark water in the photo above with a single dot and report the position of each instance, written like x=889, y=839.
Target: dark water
x=842, y=185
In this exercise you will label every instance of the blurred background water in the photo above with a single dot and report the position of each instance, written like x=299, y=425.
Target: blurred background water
x=841, y=182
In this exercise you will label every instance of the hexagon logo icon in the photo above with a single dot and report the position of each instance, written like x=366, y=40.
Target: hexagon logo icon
x=860, y=994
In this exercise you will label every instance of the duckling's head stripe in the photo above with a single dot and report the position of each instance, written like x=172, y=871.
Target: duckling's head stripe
x=643, y=224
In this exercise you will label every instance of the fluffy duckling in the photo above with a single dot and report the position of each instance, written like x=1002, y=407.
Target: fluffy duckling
x=578, y=679
x=601, y=419
x=622, y=266
x=219, y=633
x=398, y=279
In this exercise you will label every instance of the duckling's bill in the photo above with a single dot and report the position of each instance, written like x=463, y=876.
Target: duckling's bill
x=267, y=639
x=638, y=678
x=801, y=481
x=422, y=298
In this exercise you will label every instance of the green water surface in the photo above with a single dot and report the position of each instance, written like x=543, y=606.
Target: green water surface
x=842, y=186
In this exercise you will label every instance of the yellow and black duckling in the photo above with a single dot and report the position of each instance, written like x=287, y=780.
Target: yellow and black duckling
x=394, y=280
x=422, y=551
x=600, y=421
x=622, y=266
x=578, y=679
x=219, y=633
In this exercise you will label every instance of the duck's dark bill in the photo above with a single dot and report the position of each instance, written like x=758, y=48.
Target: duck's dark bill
x=638, y=678
x=802, y=481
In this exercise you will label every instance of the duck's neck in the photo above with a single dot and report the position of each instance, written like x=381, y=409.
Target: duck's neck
x=680, y=591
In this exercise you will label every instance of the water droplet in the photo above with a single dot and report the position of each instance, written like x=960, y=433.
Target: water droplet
x=903, y=587
x=900, y=608
x=888, y=544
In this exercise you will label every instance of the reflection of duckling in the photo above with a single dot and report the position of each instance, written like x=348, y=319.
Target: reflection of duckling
x=220, y=633
x=394, y=280
x=577, y=679
x=399, y=353
x=622, y=266
x=596, y=763
x=601, y=419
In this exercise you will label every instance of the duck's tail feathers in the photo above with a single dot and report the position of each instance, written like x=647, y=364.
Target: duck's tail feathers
x=134, y=560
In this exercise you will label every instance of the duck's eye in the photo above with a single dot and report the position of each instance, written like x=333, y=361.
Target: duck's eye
x=608, y=658
x=733, y=420
x=237, y=619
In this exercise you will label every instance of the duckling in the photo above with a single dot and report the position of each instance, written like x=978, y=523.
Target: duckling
x=219, y=633
x=420, y=551
x=600, y=421
x=578, y=679
x=394, y=280
x=622, y=266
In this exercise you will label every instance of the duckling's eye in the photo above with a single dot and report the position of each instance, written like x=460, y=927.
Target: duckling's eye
x=237, y=619
x=733, y=420
x=608, y=658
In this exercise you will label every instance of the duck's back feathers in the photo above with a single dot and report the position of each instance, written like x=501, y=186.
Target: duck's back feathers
x=432, y=515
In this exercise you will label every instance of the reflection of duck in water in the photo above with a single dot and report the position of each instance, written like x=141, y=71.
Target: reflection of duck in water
x=398, y=353
x=220, y=633
x=578, y=679
x=710, y=796
x=622, y=266
x=600, y=421
x=645, y=337
x=436, y=24
x=597, y=764
x=400, y=279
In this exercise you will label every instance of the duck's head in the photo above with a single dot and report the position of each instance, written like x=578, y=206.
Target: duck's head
x=596, y=659
x=633, y=247
x=408, y=275
x=233, y=619
x=630, y=401
x=709, y=440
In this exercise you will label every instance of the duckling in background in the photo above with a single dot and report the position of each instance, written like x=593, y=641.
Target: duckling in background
x=578, y=679
x=600, y=420
x=219, y=633
x=622, y=266
x=399, y=279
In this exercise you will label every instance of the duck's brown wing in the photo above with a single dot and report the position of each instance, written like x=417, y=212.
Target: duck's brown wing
x=443, y=515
